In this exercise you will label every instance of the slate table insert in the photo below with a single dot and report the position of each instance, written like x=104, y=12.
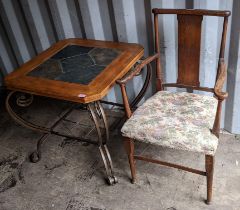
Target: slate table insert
x=76, y=64
x=77, y=70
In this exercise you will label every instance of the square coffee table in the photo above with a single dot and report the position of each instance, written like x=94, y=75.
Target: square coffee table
x=76, y=70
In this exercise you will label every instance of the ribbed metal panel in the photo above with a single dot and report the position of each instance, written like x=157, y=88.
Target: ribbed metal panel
x=27, y=27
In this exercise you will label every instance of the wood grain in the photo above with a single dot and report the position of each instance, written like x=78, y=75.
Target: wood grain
x=201, y=12
x=95, y=90
x=189, y=42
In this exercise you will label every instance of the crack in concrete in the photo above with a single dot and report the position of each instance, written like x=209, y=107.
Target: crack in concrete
x=51, y=168
x=87, y=175
x=74, y=204
x=9, y=161
x=69, y=141
x=8, y=183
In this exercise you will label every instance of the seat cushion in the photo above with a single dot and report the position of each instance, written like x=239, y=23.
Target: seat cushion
x=176, y=120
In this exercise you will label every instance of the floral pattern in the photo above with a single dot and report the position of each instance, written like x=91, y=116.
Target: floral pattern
x=176, y=120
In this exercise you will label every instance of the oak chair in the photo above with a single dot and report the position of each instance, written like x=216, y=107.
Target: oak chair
x=179, y=120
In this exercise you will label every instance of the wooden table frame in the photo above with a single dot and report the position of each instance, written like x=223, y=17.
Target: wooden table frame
x=96, y=90
x=27, y=86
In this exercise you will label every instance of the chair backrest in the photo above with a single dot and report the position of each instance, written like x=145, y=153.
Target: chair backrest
x=189, y=44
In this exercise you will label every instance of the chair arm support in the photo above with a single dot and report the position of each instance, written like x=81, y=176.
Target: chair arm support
x=220, y=82
x=122, y=82
x=136, y=71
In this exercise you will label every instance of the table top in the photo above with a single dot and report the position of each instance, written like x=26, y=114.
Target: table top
x=77, y=70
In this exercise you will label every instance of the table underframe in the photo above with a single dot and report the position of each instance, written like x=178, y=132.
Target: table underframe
x=97, y=115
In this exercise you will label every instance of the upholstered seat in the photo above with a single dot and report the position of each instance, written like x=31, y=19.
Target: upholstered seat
x=176, y=120
x=180, y=120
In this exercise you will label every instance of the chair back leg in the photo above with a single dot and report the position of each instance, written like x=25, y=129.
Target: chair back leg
x=129, y=147
x=209, y=164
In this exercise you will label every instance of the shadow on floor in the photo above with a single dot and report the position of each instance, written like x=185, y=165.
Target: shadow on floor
x=70, y=175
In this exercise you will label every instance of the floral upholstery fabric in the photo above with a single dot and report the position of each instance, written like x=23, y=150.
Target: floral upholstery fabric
x=175, y=120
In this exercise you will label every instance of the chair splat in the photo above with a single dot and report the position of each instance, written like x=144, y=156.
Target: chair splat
x=189, y=43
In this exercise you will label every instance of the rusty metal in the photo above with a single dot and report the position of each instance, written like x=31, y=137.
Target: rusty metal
x=112, y=103
x=24, y=100
x=37, y=154
x=91, y=108
x=105, y=123
x=97, y=115
x=20, y=120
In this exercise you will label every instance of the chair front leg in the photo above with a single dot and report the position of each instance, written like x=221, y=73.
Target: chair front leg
x=129, y=147
x=209, y=164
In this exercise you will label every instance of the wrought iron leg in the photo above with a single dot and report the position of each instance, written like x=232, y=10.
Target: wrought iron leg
x=102, y=116
x=98, y=115
x=25, y=100
x=20, y=120
x=36, y=155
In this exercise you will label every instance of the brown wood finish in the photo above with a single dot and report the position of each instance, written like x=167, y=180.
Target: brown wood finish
x=189, y=22
x=129, y=147
x=96, y=90
x=206, y=89
x=125, y=101
x=189, y=42
x=157, y=49
x=138, y=68
x=200, y=12
x=172, y=165
x=224, y=35
x=188, y=73
x=222, y=72
x=223, y=44
x=145, y=86
x=209, y=165
x=216, y=125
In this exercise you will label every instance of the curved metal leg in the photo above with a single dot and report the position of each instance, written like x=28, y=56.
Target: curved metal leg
x=36, y=155
x=20, y=120
x=23, y=100
x=142, y=92
x=102, y=116
x=97, y=114
x=91, y=108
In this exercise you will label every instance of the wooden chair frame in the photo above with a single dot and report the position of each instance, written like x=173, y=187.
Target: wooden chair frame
x=188, y=77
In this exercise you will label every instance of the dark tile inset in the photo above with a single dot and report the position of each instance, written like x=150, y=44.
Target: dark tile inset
x=104, y=56
x=82, y=75
x=76, y=64
x=70, y=51
x=50, y=69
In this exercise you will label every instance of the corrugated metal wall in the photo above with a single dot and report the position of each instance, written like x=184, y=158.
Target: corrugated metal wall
x=28, y=27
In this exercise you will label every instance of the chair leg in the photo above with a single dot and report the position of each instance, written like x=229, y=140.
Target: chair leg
x=129, y=147
x=209, y=164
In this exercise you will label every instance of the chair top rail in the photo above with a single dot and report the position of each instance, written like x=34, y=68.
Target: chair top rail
x=221, y=13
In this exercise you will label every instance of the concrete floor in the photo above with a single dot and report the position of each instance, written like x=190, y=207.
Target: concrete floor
x=70, y=175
